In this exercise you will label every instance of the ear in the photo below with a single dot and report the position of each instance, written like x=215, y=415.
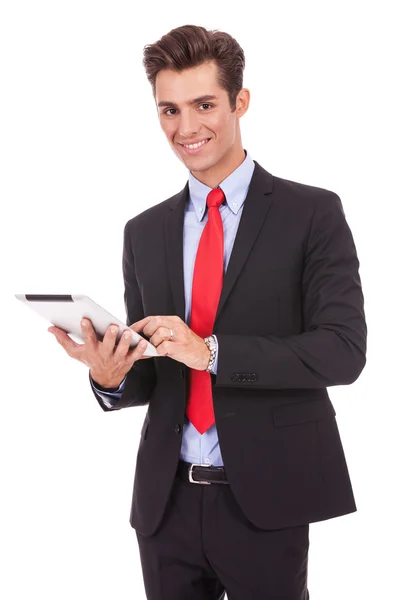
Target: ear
x=242, y=102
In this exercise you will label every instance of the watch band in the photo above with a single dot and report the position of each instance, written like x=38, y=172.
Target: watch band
x=212, y=345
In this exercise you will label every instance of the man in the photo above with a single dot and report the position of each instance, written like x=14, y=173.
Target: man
x=248, y=286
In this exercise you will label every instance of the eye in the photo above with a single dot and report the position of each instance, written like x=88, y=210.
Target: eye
x=171, y=115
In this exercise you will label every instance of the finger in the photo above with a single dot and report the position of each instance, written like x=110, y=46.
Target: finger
x=163, y=334
x=138, y=326
x=109, y=339
x=123, y=345
x=53, y=329
x=155, y=323
x=64, y=340
x=137, y=352
x=89, y=336
x=163, y=348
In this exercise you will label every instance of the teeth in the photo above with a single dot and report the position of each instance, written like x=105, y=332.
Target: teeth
x=192, y=146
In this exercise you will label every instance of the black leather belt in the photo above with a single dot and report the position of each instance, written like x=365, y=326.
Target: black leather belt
x=203, y=474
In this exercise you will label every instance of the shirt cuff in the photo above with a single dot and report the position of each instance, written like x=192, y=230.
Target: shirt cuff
x=108, y=395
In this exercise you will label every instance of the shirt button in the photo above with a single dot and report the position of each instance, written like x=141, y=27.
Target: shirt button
x=207, y=461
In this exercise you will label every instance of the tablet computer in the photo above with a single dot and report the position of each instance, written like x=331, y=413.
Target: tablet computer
x=66, y=311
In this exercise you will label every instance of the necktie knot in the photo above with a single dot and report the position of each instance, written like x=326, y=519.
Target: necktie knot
x=215, y=197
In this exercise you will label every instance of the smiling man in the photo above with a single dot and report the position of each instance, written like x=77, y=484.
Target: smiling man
x=248, y=286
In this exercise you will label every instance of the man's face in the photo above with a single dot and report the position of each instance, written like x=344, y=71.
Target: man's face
x=193, y=108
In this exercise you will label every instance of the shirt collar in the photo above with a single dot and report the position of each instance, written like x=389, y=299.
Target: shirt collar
x=234, y=186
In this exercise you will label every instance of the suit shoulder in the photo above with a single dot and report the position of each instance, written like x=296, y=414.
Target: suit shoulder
x=302, y=191
x=158, y=211
x=308, y=199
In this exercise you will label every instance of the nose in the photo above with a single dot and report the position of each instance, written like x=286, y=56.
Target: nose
x=188, y=125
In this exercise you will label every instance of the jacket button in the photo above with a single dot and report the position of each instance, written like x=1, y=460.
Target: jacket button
x=178, y=428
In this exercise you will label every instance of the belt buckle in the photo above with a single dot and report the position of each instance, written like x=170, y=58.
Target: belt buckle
x=191, y=474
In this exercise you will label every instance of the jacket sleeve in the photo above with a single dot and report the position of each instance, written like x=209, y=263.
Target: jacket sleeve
x=142, y=377
x=109, y=396
x=332, y=348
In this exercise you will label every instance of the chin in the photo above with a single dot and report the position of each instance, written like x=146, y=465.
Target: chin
x=200, y=163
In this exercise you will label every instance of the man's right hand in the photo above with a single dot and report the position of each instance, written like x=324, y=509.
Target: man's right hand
x=108, y=362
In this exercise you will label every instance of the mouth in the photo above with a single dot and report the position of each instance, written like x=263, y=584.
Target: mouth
x=194, y=148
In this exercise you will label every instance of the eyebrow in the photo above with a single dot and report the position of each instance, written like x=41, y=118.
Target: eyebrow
x=195, y=101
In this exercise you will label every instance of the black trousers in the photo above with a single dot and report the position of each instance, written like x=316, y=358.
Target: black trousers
x=205, y=546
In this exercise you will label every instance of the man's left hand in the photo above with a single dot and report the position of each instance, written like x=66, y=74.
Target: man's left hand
x=185, y=346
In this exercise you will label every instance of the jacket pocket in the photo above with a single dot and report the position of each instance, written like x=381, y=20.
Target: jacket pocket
x=302, y=412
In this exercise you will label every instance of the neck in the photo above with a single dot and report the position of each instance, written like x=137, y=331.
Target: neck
x=215, y=175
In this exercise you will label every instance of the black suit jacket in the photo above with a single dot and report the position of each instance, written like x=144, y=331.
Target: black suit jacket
x=290, y=323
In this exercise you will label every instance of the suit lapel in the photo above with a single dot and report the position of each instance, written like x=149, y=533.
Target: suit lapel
x=255, y=210
x=174, y=249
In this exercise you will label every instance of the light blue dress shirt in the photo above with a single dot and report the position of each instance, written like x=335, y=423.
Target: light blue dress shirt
x=204, y=448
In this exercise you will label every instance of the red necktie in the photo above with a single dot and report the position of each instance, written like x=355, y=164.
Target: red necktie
x=206, y=290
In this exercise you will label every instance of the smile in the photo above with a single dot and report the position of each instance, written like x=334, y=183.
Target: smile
x=194, y=148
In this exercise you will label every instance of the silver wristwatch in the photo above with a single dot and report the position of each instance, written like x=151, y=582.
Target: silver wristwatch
x=212, y=344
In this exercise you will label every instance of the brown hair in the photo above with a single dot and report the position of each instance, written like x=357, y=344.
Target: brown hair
x=190, y=46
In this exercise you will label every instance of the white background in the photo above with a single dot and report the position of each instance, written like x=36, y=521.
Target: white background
x=81, y=153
